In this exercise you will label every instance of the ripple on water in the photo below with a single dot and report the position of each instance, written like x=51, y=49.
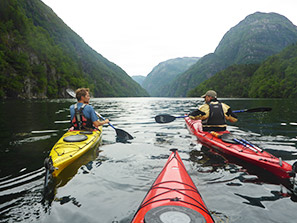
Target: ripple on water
x=110, y=185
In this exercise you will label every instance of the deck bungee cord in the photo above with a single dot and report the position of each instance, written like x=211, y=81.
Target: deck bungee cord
x=240, y=148
x=173, y=195
x=72, y=145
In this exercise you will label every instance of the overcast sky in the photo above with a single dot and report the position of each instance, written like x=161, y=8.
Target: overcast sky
x=139, y=34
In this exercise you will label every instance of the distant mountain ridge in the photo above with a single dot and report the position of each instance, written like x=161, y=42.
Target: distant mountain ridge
x=165, y=72
x=40, y=57
x=275, y=77
x=255, y=38
x=139, y=79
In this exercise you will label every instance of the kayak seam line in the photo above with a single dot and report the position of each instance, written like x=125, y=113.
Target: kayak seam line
x=177, y=190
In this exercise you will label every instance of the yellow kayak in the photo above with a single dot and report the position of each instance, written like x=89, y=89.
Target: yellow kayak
x=70, y=147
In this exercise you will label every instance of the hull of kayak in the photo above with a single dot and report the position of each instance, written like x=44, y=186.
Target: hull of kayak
x=173, y=195
x=70, y=147
x=251, y=154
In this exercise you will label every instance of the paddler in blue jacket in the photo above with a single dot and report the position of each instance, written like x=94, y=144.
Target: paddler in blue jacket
x=213, y=113
x=83, y=115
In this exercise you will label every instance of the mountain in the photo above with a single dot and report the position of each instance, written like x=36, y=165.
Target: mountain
x=276, y=77
x=255, y=38
x=40, y=57
x=232, y=82
x=165, y=72
x=138, y=78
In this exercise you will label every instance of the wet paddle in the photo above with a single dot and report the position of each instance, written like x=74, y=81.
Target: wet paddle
x=165, y=118
x=121, y=134
x=261, y=109
x=230, y=138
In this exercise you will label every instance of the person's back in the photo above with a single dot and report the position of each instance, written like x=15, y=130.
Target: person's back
x=83, y=115
x=214, y=113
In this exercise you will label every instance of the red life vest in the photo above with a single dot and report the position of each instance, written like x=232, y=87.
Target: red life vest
x=79, y=121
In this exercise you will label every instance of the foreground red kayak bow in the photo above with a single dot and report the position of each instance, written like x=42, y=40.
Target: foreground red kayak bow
x=173, y=197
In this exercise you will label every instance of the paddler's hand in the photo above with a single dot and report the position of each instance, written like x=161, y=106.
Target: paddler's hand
x=98, y=122
x=196, y=114
x=230, y=113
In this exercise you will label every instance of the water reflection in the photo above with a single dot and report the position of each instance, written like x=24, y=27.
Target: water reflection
x=257, y=201
x=213, y=161
x=66, y=199
x=85, y=163
x=108, y=184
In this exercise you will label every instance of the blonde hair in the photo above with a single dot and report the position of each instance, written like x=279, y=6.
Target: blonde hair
x=81, y=92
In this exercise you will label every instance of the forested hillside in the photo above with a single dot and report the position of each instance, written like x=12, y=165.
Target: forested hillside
x=251, y=41
x=276, y=77
x=156, y=81
x=40, y=57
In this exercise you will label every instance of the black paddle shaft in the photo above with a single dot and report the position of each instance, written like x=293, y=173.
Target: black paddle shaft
x=261, y=109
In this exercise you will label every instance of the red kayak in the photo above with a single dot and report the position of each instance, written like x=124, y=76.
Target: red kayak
x=173, y=197
x=227, y=143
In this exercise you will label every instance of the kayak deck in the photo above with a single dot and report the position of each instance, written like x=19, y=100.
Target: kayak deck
x=71, y=146
x=173, y=195
x=247, y=152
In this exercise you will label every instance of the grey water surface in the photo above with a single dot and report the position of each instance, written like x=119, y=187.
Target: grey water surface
x=108, y=183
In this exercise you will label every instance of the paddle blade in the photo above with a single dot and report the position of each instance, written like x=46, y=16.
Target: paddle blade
x=259, y=109
x=262, y=109
x=164, y=118
x=294, y=167
x=123, y=135
x=71, y=92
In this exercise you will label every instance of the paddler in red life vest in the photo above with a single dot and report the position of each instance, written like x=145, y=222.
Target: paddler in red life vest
x=83, y=116
x=213, y=113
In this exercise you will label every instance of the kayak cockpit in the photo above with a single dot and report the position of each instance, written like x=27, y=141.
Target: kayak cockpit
x=173, y=214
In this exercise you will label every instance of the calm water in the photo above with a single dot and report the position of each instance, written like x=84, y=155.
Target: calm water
x=108, y=183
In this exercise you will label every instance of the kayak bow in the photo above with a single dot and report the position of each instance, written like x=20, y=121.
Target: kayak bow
x=173, y=196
